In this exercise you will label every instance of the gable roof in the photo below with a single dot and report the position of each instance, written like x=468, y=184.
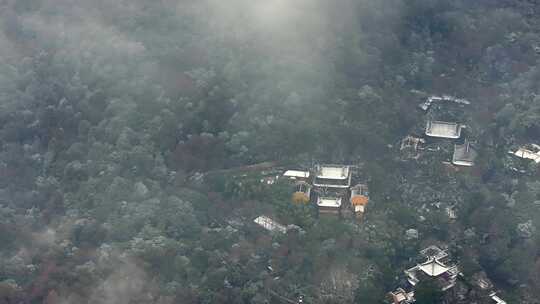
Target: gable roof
x=464, y=155
x=524, y=152
x=296, y=174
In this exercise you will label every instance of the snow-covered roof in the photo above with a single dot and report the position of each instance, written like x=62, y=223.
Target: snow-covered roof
x=443, y=129
x=433, y=268
x=329, y=202
x=269, y=224
x=528, y=153
x=332, y=176
x=296, y=174
x=464, y=155
x=333, y=172
x=497, y=299
x=359, y=209
x=425, y=105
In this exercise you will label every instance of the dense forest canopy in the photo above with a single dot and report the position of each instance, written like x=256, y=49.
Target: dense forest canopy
x=123, y=124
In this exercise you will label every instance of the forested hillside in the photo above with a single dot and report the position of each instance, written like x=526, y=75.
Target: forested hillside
x=123, y=123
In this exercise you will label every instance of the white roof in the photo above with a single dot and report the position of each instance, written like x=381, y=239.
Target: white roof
x=433, y=268
x=526, y=153
x=330, y=202
x=443, y=129
x=463, y=163
x=296, y=173
x=269, y=224
x=359, y=209
x=464, y=155
x=333, y=172
x=496, y=299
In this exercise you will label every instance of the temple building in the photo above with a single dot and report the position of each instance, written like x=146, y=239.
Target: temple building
x=464, y=155
x=329, y=186
x=297, y=175
x=329, y=204
x=359, y=199
x=441, y=129
x=436, y=267
x=332, y=176
x=531, y=152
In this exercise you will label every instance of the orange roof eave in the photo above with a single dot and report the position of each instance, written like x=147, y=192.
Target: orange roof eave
x=359, y=200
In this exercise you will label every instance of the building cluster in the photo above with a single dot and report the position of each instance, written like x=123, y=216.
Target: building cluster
x=326, y=186
x=329, y=187
x=464, y=153
x=436, y=265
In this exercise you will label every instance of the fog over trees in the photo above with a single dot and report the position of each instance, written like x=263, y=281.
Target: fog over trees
x=136, y=137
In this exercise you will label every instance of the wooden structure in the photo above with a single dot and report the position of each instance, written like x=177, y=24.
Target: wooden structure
x=359, y=199
x=302, y=193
